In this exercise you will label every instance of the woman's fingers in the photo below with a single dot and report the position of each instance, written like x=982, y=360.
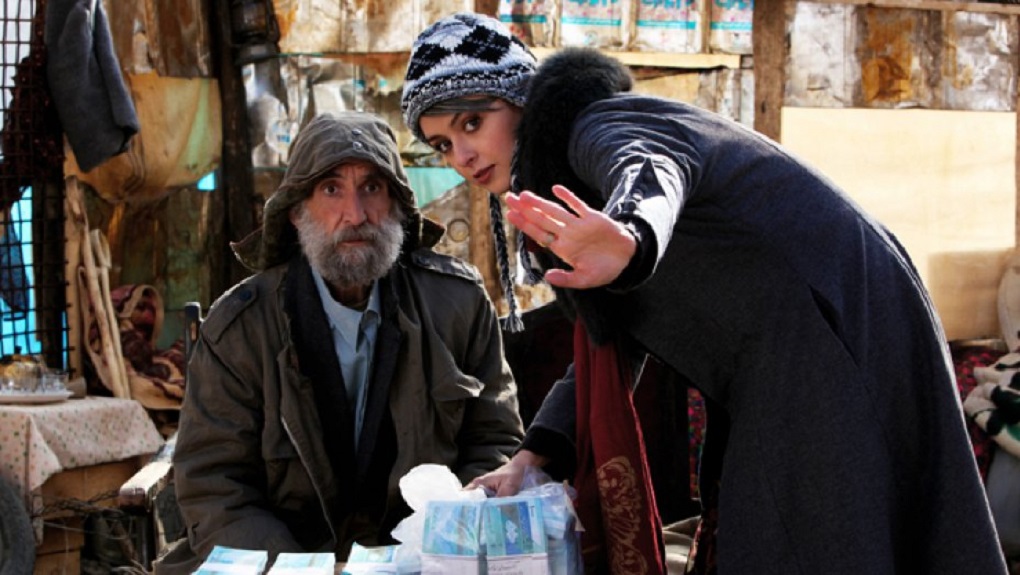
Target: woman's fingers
x=573, y=202
x=540, y=217
x=543, y=235
x=543, y=209
x=588, y=241
x=560, y=278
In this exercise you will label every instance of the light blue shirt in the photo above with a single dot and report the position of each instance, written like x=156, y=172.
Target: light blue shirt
x=354, y=334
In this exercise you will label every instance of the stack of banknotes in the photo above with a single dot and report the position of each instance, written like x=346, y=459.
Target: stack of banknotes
x=223, y=560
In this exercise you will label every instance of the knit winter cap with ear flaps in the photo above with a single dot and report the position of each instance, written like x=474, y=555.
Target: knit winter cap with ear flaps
x=464, y=55
x=461, y=55
x=324, y=143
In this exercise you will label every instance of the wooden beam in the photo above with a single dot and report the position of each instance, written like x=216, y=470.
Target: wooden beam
x=662, y=59
x=945, y=6
x=771, y=44
x=233, y=210
x=490, y=7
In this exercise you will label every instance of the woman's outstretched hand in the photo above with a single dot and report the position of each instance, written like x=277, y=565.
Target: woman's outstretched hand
x=507, y=479
x=594, y=245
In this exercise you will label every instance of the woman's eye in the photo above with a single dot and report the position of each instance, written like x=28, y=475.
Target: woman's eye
x=442, y=147
x=472, y=123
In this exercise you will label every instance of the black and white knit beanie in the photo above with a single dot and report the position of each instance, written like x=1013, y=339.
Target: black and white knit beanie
x=462, y=55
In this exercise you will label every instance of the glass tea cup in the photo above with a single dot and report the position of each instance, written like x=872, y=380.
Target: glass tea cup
x=53, y=381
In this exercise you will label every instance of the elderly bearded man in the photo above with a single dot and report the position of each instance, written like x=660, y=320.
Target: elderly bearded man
x=353, y=355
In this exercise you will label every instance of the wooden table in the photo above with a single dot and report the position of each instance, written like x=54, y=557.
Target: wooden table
x=78, y=450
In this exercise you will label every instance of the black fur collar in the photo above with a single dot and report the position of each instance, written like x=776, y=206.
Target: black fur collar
x=564, y=85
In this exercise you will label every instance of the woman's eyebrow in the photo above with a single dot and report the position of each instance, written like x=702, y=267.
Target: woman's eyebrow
x=453, y=119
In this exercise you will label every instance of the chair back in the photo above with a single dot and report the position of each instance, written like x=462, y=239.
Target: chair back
x=192, y=321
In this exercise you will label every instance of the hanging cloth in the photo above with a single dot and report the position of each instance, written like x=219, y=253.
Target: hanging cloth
x=13, y=272
x=94, y=105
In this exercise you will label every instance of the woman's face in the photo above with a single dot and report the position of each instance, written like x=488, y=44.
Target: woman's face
x=478, y=144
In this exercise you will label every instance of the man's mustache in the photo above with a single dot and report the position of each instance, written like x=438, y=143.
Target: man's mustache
x=362, y=233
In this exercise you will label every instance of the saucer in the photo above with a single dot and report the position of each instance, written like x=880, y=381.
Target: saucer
x=34, y=397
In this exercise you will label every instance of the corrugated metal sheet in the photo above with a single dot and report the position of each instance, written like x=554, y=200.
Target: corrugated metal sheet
x=859, y=56
x=169, y=38
x=342, y=26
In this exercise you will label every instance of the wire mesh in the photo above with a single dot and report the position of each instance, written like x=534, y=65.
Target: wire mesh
x=32, y=283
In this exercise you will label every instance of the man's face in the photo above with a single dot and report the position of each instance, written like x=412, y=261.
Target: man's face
x=349, y=227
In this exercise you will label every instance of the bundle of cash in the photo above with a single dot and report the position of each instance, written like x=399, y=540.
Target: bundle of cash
x=452, y=543
x=222, y=560
x=515, y=536
x=372, y=561
x=303, y=564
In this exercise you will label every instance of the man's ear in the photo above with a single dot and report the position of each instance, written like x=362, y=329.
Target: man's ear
x=295, y=212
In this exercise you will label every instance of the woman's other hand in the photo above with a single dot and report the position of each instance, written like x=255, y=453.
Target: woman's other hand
x=594, y=245
x=507, y=479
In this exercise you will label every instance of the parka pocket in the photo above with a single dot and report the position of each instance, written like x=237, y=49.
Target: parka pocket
x=287, y=481
x=451, y=396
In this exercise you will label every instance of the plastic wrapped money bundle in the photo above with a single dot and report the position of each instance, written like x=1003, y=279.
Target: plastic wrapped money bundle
x=456, y=531
x=452, y=543
x=514, y=536
x=532, y=533
x=381, y=560
x=303, y=564
x=223, y=560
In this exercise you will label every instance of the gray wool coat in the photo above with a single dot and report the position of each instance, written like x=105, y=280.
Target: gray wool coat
x=839, y=442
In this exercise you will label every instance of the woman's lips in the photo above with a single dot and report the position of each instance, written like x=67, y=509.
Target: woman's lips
x=482, y=177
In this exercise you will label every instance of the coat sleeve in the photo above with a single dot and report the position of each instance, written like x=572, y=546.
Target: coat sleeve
x=553, y=431
x=220, y=479
x=644, y=175
x=645, y=178
x=491, y=430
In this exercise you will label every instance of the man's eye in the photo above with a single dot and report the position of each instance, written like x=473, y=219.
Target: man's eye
x=330, y=189
x=373, y=188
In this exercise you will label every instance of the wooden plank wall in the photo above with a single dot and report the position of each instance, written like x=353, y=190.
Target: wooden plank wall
x=966, y=275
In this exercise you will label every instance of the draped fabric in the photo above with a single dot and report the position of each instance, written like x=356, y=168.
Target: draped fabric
x=616, y=502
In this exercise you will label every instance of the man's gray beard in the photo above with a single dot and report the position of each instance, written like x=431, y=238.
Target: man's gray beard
x=351, y=266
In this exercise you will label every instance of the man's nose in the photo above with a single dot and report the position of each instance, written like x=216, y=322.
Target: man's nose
x=354, y=211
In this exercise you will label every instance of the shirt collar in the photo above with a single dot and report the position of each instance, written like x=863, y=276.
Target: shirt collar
x=343, y=318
